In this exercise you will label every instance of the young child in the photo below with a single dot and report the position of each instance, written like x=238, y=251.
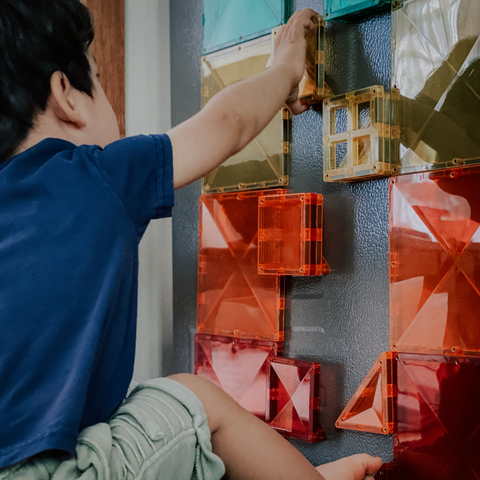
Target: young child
x=74, y=203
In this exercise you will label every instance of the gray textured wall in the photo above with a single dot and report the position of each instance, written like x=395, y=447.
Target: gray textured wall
x=340, y=320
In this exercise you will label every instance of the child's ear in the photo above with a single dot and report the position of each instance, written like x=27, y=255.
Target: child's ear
x=65, y=101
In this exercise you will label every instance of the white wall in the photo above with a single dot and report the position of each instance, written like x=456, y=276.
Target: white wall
x=147, y=63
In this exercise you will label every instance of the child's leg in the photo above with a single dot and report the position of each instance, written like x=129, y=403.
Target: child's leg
x=252, y=450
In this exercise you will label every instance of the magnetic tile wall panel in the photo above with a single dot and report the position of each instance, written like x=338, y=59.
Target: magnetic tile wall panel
x=438, y=432
x=436, y=67
x=371, y=408
x=434, y=262
x=293, y=408
x=229, y=22
x=352, y=308
x=237, y=365
x=312, y=88
x=264, y=162
x=345, y=9
x=233, y=299
x=359, y=138
x=290, y=234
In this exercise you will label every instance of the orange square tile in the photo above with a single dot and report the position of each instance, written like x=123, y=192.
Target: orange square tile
x=233, y=299
x=290, y=234
x=435, y=262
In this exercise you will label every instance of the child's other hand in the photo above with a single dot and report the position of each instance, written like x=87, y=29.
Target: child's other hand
x=356, y=467
x=290, y=53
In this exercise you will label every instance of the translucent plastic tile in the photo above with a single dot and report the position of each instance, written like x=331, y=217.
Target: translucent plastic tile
x=237, y=365
x=436, y=55
x=293, y=408
x=434, y=264
x=360, y=140
x=312, y=88
x=438, y=432
x=230, y=22
x=371, y=408
x=233, y=299
x=386, y=472
x=290, y=235
x=264, y=162
x=345, y=9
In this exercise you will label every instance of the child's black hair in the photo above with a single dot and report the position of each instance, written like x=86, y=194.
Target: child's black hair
x=38, y=38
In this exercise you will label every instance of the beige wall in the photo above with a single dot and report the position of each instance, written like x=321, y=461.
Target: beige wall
x=147, y=64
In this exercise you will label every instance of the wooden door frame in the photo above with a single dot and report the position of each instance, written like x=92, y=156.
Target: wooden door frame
x=109, y=50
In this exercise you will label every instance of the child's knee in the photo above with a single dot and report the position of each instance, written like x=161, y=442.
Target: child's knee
x=218, y=404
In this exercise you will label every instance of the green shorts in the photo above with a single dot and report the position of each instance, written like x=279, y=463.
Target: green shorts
x=159, y=432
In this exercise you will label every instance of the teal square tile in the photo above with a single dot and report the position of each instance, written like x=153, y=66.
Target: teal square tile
x=344, y=9
x=229, y=22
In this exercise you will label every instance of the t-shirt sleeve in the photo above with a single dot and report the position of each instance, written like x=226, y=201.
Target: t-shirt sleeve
x=139, y=170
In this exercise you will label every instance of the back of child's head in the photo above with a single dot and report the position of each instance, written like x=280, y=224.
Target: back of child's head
x=38, y=38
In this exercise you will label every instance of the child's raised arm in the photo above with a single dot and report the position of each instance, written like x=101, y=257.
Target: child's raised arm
x=235, y=116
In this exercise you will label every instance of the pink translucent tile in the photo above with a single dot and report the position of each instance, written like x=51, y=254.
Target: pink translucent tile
x=438, y=417
x=293, y=408
x=237, y=365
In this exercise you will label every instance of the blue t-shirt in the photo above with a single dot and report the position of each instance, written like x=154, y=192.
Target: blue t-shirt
x=71, y=219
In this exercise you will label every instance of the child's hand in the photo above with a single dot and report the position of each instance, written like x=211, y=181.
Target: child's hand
x=356, y=467
x=290, y=52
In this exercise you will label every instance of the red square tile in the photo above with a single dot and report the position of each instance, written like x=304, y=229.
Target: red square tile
x=233, y=299
x=435, y=262
x=237, y=365
x=385, y=473
x=293, y=408
x=438, y=419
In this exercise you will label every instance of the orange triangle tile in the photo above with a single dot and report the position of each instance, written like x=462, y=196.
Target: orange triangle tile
x=371, y=407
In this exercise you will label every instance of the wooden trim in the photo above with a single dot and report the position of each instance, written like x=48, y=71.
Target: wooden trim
x=109, y=50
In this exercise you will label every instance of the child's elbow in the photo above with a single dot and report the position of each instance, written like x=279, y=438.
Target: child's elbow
x=242, y=130
x=234, y=126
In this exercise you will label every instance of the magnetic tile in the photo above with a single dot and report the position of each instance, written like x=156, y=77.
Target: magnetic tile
x=230, y=22
x=435, y=262
x=360, y=140
x=312, y=88
x=237, y=365
x=436, y=67
x=438, y=419
x=293, y=408
x=290, y=235
x=233, y=299
x=371, y=408
x=264, y=162
x=341, y=10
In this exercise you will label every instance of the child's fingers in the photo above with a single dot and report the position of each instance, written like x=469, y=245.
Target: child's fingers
x=366, y=462
x=374, y=464
x=297, y=108
x=356, y=467
x=295, y=27
x=363, y=464
x=305, y=18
